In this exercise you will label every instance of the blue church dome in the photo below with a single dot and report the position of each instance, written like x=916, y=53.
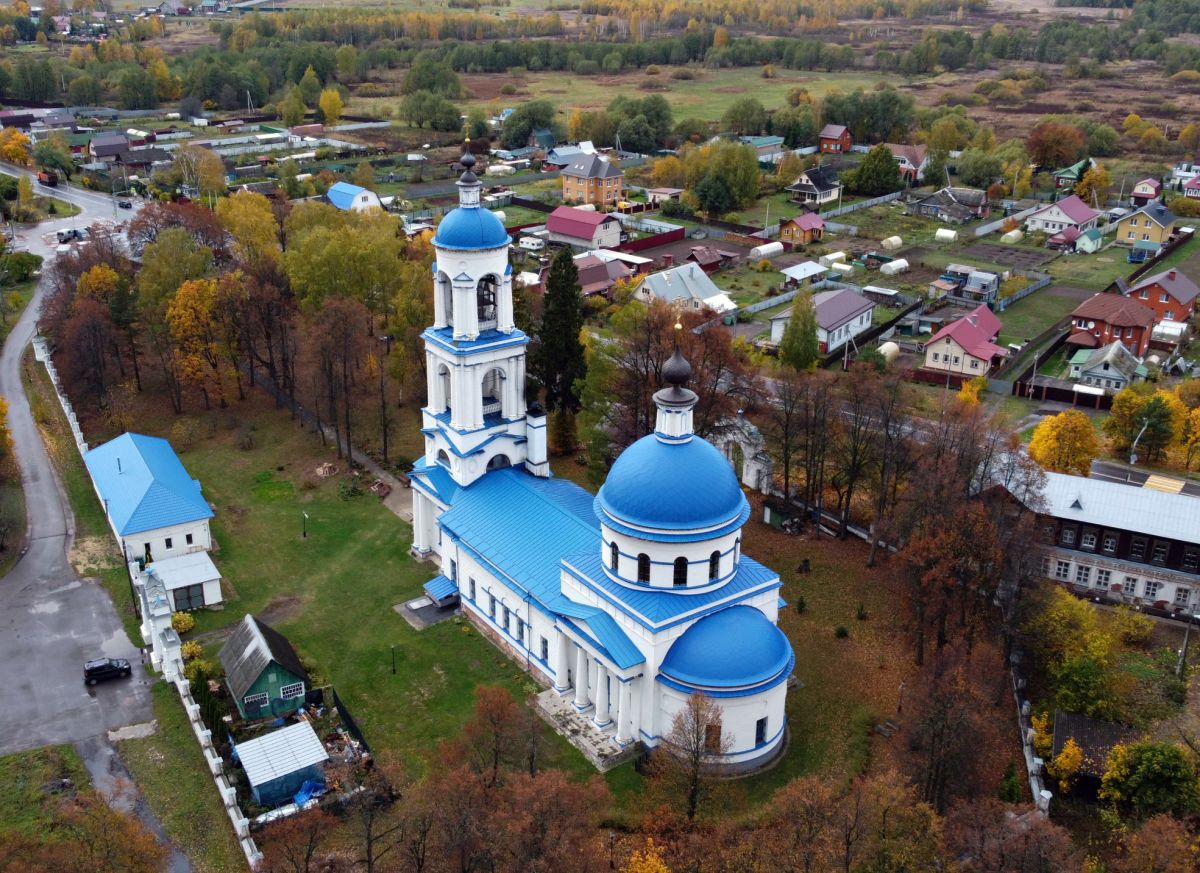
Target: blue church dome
x=683, y=486
x=470, y=229
x=733, y=648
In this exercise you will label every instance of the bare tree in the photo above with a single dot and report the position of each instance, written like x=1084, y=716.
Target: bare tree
x=692, y=754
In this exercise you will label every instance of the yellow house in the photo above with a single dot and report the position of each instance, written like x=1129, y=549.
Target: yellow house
x=591, y=179
x=1152, y=223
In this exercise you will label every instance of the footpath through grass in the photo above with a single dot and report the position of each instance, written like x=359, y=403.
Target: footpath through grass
x=27, y=807
x=169, y=768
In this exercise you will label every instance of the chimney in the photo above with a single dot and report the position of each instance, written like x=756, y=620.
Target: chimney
x=669, y=260
x=1171, y=275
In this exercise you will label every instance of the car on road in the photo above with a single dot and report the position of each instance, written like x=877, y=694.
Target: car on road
x=125, y=204
x=100, y=669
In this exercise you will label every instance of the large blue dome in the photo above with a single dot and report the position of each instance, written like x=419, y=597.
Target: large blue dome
x=470, y=229
x=734, y=648
x=684, y=486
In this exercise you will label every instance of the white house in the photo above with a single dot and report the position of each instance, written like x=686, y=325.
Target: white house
x=583, y=228
x=842, y=315
x=687, y=286
x=352, y=198
x=154, y=507
x=191, y=581
x=1068, y=212
x=625, y=603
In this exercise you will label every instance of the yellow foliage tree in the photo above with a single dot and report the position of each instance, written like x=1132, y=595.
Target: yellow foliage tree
x=1189, y=137
x=331, y=106
x=1043, y=734
x=1191, y=440
x=971, y=391
x=1093, y=187
x=667, y=172
x=191, y=318
x=1065, y=766
x=1133, y=124
x=100, y=283
x=646, y=860
x=14, y=146
x=251, y=222
x=720, y=38
x=5, y=434
x=1065, y=443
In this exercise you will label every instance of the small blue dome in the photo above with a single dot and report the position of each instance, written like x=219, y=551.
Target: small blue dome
x=733, y=648
x=470, y=229
x=672, y=486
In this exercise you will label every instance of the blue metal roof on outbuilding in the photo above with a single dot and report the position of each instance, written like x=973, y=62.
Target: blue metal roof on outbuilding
x=143, y=484
x=342, y=194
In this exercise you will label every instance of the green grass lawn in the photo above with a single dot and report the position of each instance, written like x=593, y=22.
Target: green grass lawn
x=1027, y=318
x=12, y=495
x=888, y=219
x=746, y=285
x=170, y=769
x=1095, y=272
x=26, y=807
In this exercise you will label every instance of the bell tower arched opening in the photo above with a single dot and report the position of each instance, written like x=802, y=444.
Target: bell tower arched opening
x=486, y=298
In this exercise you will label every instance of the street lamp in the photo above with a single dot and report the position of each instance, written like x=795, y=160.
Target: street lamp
x=304, y=525
x=1133, y=447
x=1183, y=652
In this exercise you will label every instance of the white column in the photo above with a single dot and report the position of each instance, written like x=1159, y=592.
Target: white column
x=504, y=305
x=624, y=721
x=602, y=718
x=561, y=661
x=420, y=529
x=581, y=678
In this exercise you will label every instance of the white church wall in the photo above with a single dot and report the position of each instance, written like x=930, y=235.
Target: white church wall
x=663, y=555
x=739, y=719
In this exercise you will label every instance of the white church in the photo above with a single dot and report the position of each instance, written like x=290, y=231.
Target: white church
x=629, y=601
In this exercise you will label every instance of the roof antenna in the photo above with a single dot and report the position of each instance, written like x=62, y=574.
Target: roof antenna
x=119, y=470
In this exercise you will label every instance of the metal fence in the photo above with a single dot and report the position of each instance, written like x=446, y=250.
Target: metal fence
x=1041, y=280
x=865, y=204
x=993, y=226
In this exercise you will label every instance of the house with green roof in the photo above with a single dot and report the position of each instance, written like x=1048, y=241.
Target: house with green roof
x=1068, y=177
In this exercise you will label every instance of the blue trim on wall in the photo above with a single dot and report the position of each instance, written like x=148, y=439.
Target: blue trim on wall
x=606, y=547
x=495, y=571
x=653, y=536
x=487, y=341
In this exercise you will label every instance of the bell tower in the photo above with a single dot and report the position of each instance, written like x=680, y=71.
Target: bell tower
x=476, y=418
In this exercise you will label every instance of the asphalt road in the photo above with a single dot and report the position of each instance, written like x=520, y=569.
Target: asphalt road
x=1111, y=472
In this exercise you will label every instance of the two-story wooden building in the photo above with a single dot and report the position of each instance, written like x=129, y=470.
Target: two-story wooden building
x=834, y=139
x=1121, y=543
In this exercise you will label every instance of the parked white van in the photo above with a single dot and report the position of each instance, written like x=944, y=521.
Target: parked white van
x=532, y=243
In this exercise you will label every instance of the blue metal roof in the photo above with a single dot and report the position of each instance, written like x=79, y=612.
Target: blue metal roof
x=143, y=484
x=342, y=194
x=733, y=648
x=437, y=479
x=439, y=587
x=470, y=228
x=683, y=486
x=522, y=525
x=662, y=607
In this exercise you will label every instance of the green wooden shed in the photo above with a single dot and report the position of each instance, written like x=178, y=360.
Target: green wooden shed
x=262, y=671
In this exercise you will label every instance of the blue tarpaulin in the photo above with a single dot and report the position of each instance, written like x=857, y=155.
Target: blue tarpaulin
x=310, y=789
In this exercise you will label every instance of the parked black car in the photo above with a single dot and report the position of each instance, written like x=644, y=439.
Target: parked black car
x=99, y=669
x=125, y=204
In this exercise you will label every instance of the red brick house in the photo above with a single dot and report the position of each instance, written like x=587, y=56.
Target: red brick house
x=834, y=139
x=1171, y=295
x=1106, y=318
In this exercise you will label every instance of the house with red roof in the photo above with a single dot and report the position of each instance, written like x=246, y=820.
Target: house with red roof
x=1068, y=212
x=1145, y=191
x=1191, y=188
x=583, y=228
x=802, y=230
x=1171, y=295
x=710, y=259
x=834, y=139
x=1106, y=318
x=912, y=160
x=967, y=346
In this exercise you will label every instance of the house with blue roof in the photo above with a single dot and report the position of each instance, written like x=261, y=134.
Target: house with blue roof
x=625, y=603
x=352, y=198
x=155, y=508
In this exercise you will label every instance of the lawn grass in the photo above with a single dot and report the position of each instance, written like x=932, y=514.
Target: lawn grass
x=1095, y=272
x=26, y=808
x=1027, y=318
x=746, y=285
x=888, y=219
x=169, y=768
x=12, y=495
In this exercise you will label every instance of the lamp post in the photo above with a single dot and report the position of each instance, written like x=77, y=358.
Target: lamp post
x=1133, y=448
x=304, y=525
x=1183, y=652
x=393, y=659
x=386, y=339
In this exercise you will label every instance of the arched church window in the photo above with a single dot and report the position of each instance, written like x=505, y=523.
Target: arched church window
x=681, y=565
x=714, y=566
x=737, y=551
x=643, y=567
x=485, y=301
x=614, y=555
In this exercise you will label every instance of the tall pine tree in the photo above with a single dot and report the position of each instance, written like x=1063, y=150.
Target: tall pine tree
x=561, y=362
x=798, y=348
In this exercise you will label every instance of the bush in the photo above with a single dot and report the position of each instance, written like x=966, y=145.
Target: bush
x=801, y=603
x=1010, y=787
x=350, y=488
x=683, y=74
x=763, y=266
x=182, y=622
x=508, y=89
x=197, y=672
x=20, y=266
x=653, y=70
x=191, y=650
x=861, y=615
x=1132, y=627
x=842, y=632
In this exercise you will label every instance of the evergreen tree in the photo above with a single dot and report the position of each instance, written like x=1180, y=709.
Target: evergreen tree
x=713, y=195
x=935, y=170
x=877, y=174
x=310, y=86
x=799, y=349
x=561, y=360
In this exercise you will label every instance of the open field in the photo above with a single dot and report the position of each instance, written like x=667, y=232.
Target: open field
x=1027, y=318
x=26, y=806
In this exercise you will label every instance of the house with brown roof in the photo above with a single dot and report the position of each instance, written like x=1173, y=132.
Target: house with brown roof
x=592, y=179
x=1145, y=191
x=912, y=160
x=951, y=205
x=834, y=139
x=598, y=276
x=583, y=228
x=1171, y=294
x=1068, y=212
x=841, y=314
x=802, y=230
x=966, y=347
x=709, y=259
x=1106, y=318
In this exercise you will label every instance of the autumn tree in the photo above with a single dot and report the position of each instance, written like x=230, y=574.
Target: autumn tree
x=799, y=825
x=989, y=836
x=686, y=765
x=1055, y=144
x=550, y=824
x=196, y=169
x=1146, y=778
x=1093, y=187
x=252, y=226
x=354, y=255
x=561, y=353
x=1161, y=845
x=292, y=108
x=53, y=153
x=192, y=321
x=330, y=104
x=98, y=837
x=494, y=733
x=310, y=86
x=1065, y=443
x=295, y=844
x=856, y=438
x=1066, y=764
x=799, y=347
x=878, y=173
x=339, y=343
x=1157, y=417
x=646, y=859
x=14, y=146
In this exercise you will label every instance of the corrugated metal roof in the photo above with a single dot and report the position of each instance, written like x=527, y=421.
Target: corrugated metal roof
x=342, y=194
x=143, y=484
x=1123, y=507
x=185, y=570
x=281, y=753
x=655, y=607
x=440, y=587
